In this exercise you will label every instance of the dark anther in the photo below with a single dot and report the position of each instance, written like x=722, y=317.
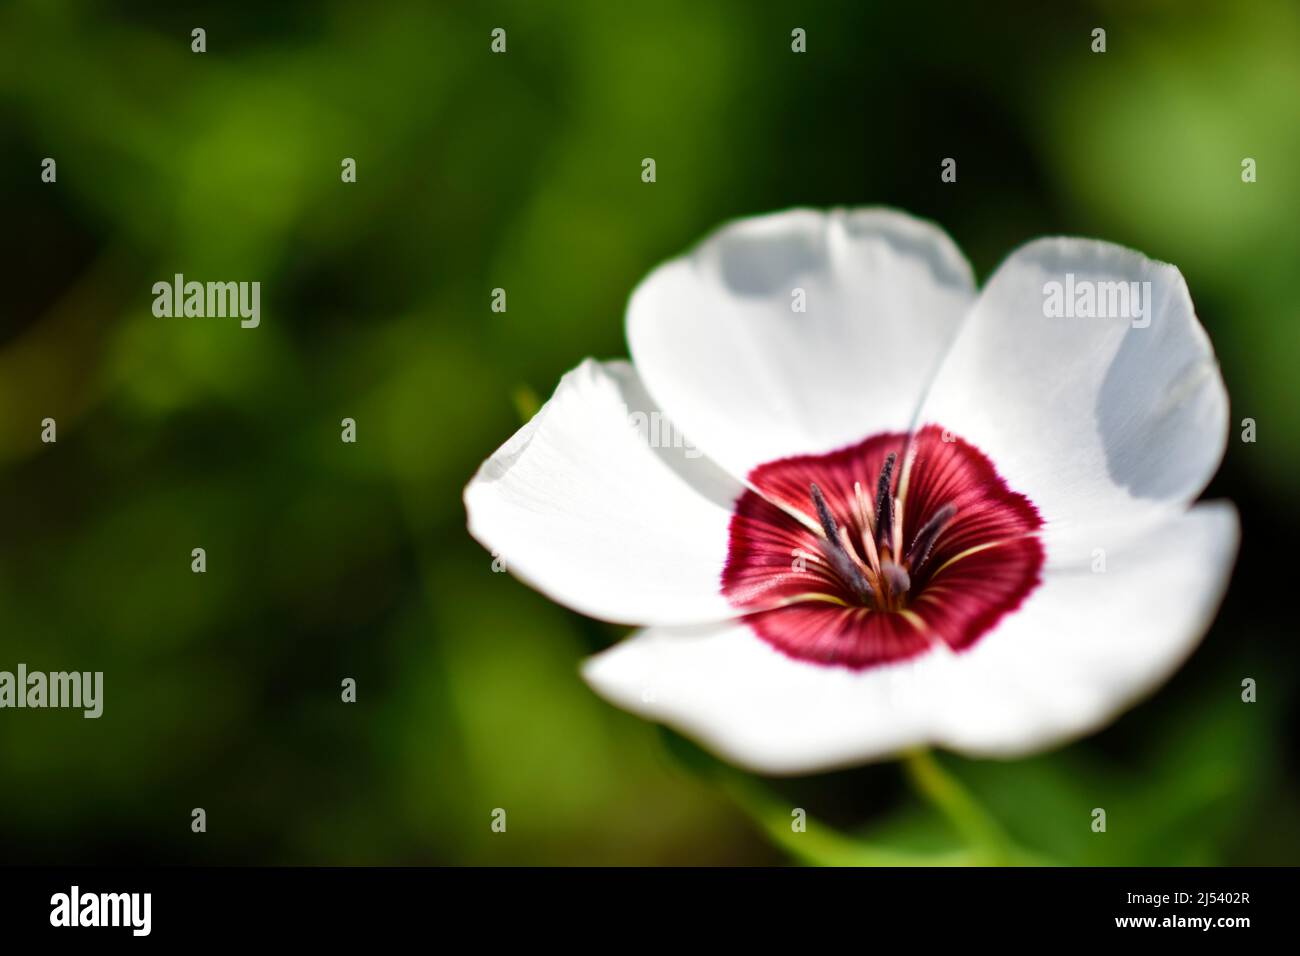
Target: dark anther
x=885, y=502
x=928, y=535
x=844, y=565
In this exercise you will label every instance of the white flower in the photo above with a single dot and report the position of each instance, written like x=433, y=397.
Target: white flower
x=909, y=514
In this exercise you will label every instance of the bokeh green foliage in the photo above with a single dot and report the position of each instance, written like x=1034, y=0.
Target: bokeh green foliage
x=522, y=171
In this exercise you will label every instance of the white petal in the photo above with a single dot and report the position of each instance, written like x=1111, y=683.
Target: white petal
x=593, y=504
x=1081, y=648
x=1091, y=418
x=752, y=705
x=717, y=342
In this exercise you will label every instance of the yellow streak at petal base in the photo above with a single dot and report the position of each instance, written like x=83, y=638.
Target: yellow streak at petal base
x=915, y=620
x=967, y=553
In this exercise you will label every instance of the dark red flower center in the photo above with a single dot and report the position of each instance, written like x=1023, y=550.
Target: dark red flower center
x=877, y=552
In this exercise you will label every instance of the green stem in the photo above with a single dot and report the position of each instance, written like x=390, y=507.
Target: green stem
x=813, y=842
x=955, y=802
x=820, y=845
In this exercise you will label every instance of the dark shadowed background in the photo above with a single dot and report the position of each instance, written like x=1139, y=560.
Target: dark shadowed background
x=522, y=171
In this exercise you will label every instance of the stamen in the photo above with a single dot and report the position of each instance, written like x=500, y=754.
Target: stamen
x=836, y=552
x=824, y=513
x=847, y=543
x=924, y=541
x=868, y=533
x=884, y=503
x=900, y=499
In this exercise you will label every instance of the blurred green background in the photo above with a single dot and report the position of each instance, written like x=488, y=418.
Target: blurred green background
x=522, y=171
